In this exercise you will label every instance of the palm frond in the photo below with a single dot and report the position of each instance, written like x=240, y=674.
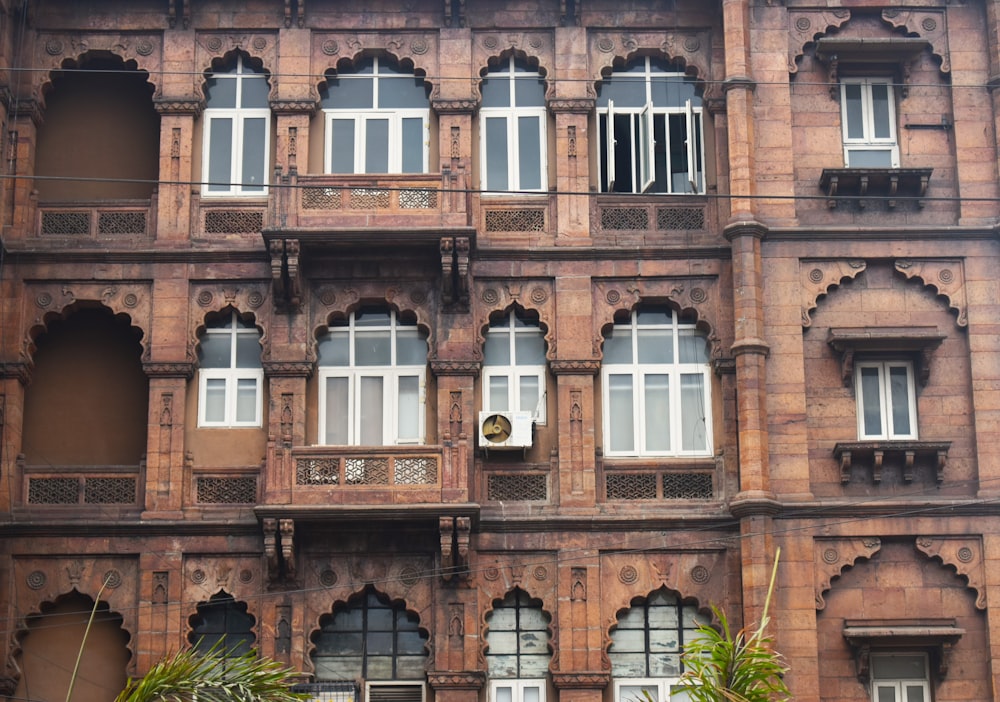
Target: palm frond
x=217, y=675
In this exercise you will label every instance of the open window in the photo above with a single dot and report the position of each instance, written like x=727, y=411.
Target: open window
x=651, y=130
x=377, y=119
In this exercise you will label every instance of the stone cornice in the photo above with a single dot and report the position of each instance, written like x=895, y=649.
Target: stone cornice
x=293, y=107
x=179, y=106
x=754, y=503
x=572, y=105
x=19, y=370
x=746, y=227
x=462, y=680
x=288, y=369
x=440, y=367
x=172, y=369
x=455, y=107
x=583, y=366
x=585, y=680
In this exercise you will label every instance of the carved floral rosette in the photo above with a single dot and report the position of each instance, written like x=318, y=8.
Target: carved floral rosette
x=964, y=554
x=44, y=301
x=43, y=580
x=698, y=294
x=210, y=46
x=818, y=277
x=245, y=296
x=692, y=47
x=236, y=574
x=538, y=47
x=419, y=48
x=833, y=556
x=54, y=49
x=945, y=276
x=497, y=295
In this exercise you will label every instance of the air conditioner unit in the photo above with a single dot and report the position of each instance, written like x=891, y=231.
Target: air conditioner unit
x=394, y=691
x=504, y=430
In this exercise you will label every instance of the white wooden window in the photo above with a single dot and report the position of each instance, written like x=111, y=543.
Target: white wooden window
x=886, y=397
x=651, y=130
x=656, y=387
x=868, y=116
x=230, y=375
x=512, y=129
x=514, y=367
x=518, y=655
x=236, y=141
x=650, y=690
x=900, y=677
x=517, y=691
x=371, y=375
x=377, y=119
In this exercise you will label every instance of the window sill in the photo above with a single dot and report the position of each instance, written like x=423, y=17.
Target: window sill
x=889, y=184
x=876, y=450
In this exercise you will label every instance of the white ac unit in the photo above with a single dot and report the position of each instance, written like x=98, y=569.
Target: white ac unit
x=504, y=430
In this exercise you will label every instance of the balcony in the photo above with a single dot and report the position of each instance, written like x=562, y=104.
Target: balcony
x=101, y=488
x=109, y=220
x=649, y=220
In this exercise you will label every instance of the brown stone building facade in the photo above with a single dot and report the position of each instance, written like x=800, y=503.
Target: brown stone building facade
x=470, y=351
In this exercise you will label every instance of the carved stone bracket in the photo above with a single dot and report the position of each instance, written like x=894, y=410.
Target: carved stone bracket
x=832, y=556
x=937, y=636
x=286, y=274
x=288, y=369
x=965, y=555
x=279, y=551
x=905, y=453
x=931, y=25
x=455, y=532
x=693, y=47
x=945, y=276
x=585, y=680
x=572, y=105
x=441, y=367
x=455, y=273
x=818, y=277
x=460, y=680
x=179, y=106
x=806, y=25
x=584, y=366
x=180, y=369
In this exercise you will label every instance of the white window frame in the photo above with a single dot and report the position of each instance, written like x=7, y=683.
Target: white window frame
x=361, y=118
x=231, y=376
x=238, y=116
x=391, y=376
x=901, y=686
x=638, y=372
x=515, y=371
x=886, y=429
x=643, y=145
x=868, y=141
x=518, y=686
x=511, y=116
x=661, y=689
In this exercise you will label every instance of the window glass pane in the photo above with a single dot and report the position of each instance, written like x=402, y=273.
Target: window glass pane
x=692, y=348
x=680, y=694
x=409, y=642
x=899, y=666
x=678, y=170
x=408, y=408
x=665, y=665
x=886, y=693
x=871, y=404
x=411, y=348
x=215, y=400
x=372, y=317
x=628, y=641
x=378, y=643
x=501, y=620
x=346, y=668
x=372, y=348
x=657, y=412
x=215, y=351
x=869, y=158
x=529, y=393
x=376, y=146
x=403, y=92
x=534, y=666
x=672, y=91
x=529, y=151
x=653, y=315
x=496, y=349
x=534, y=619
x=336, y=411
x=529, y=92
x=503, y=641
x=254, y=91
x=334, y=350
x=496, y=153
x=504, y=693
x=629, y=665
x=899, y=394
x=529, y=349
x=413, y=145
x=665, y=641
x=620, y=412
x=254, y=148
x=499, y=393
x=638, y=693
x=342, y=146
x=351, y=91
x=880, y=111
x=531, y=693
x=379, y=667
x=246, y=400
x=625, y=91
x=220, y=92
x=693, y=430
x=914, y=693
x=618, y=347
x=656, y=346
x=247, y=351
x=853, y=110
x=220, y=154
x=371, y=411
x=411, y=667
x=663, y=618
x=496, y=91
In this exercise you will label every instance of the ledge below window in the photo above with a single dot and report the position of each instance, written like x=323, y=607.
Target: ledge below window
x=888, y=184
x=937, y=636
x=875, y=452
x=918, y=342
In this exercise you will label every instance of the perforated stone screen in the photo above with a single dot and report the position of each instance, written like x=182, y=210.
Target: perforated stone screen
x=233, y=221
x=517, y=487
x=515, y=220
x=227, y=491
x=121, y=223
x=66, y=223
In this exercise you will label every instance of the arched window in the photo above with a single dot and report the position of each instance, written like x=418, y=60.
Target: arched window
x=371, y=375
x=517, y=657
x=224, y=622
x=377, y=119
x=237, y=133
x=512, y=128
x=650, y=125
x=369, y=639
x=656, y=387
x=230, y=375
x=514, y=366
x=646, y=647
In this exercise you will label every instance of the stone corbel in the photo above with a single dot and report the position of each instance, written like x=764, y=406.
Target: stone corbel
x=455, y=532
x=833, y=556
x=965, y=555
x=271, y=549
x=447, y=527
x=463, y=530
x=286, y=274
x=455, y=272
x=286, y=527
